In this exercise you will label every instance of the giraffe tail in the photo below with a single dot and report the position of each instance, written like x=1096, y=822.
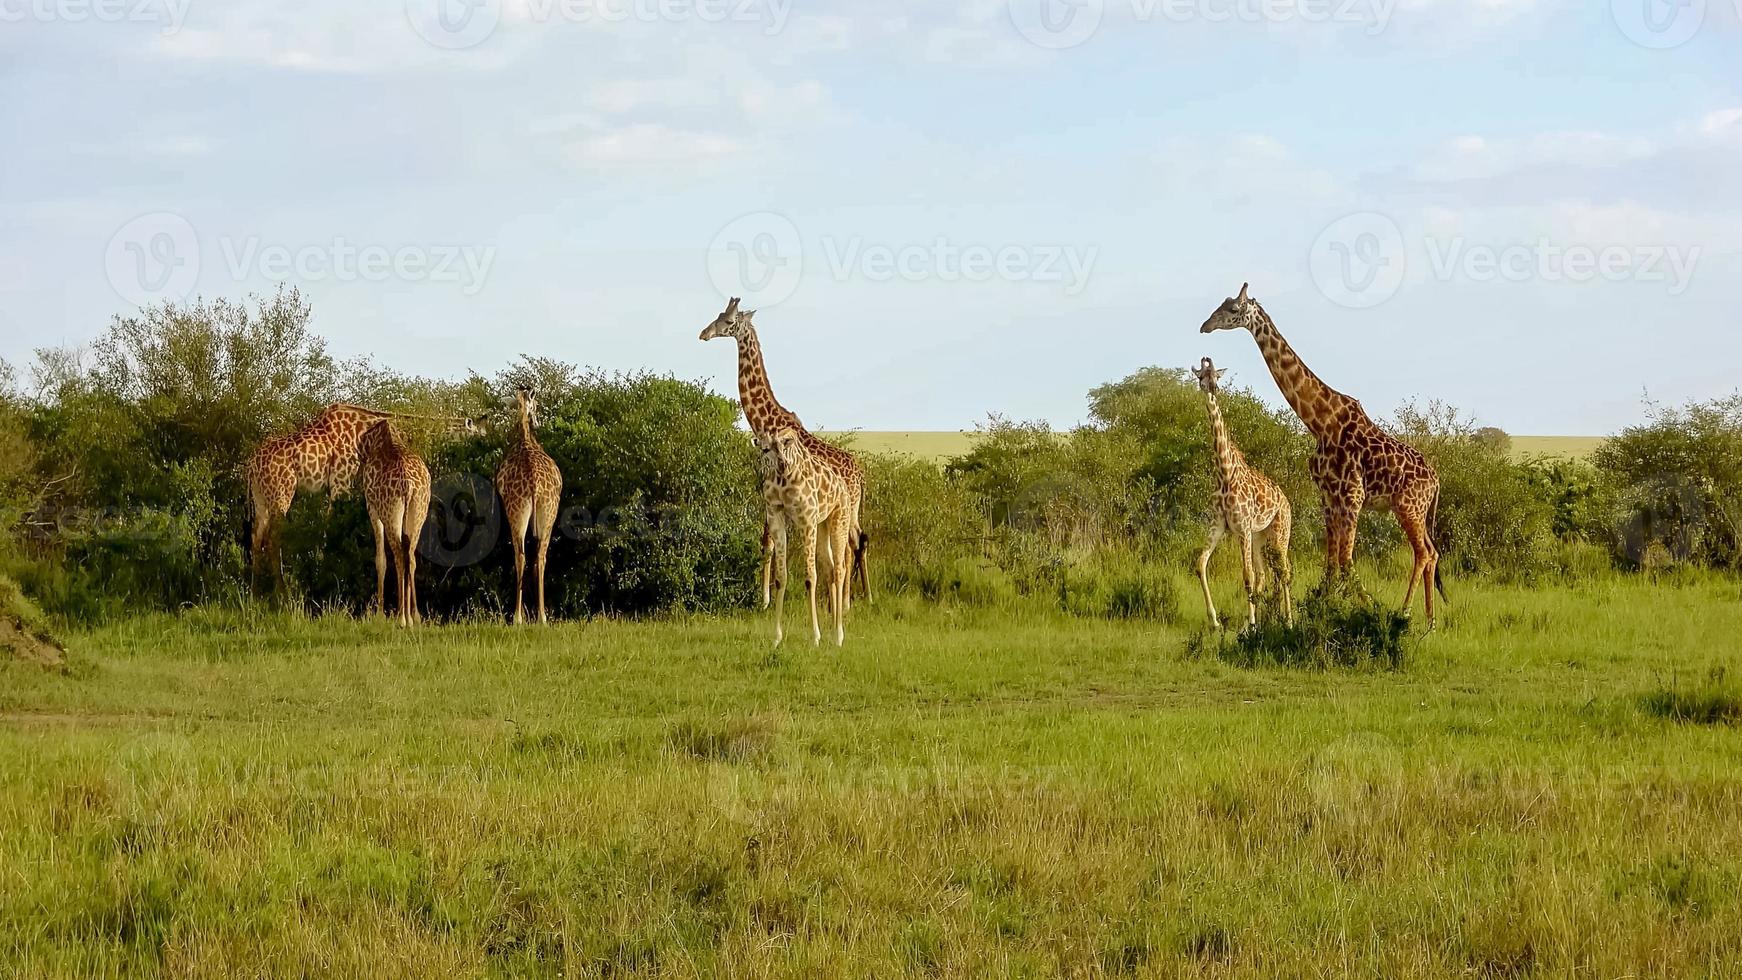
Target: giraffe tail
x=1433, y=525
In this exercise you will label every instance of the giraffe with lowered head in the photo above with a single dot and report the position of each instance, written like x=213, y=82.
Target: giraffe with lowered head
x=396, y=486
x=767, y=417
x=320, y=456
x=814, y=497
x=1248, y=503
x=1356, y=464
x=531, y=487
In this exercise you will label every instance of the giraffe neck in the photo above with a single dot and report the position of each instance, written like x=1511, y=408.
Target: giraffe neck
x=762, y=410
x=528, y=441
x=1226, y=469
x=1320, y=407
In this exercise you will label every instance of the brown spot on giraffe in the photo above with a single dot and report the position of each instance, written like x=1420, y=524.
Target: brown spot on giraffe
x=1248, y=503
x=810, y=496
x=767, y=417
x=396, y=487
x=531, y=488
x=1357, y=463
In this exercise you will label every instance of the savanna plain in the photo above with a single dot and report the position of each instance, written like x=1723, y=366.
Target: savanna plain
x=1550, y=786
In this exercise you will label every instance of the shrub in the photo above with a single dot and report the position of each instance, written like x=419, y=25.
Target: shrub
x=1493, y=516
x=1678, y=482
x=1330, y=630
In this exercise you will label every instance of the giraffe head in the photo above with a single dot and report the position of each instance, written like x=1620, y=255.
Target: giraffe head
x=732, y=322
x=528, y=400
x=1236, y=313
x=1209, y=378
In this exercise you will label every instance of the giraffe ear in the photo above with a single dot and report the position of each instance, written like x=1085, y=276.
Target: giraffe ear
x=1220, y=373
x=1244, y=291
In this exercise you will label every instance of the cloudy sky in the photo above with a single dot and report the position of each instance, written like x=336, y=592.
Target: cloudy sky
x=1527, y=208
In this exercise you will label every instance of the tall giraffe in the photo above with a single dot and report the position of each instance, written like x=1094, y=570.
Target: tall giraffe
x=396, y=487
x=531, y=487
x=1357, y=463
x=767, y=417
x=319, y=456
x=814, y=497
x=1247, y=503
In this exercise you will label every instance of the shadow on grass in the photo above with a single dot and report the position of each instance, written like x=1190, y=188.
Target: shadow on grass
x=1716, y=701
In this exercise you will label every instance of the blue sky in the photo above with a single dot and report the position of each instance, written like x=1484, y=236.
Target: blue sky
x=1526, y=208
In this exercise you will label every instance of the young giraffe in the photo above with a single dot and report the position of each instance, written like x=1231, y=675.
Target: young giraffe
x=319, y=456
x=767, y=417
x=396, y=487
x=813, y=497
x=531, y=487
x=1357, y=463
x=1247, y=503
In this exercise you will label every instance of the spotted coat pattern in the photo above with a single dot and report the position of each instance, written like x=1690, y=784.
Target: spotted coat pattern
x=396, y=486
x=1248, y=504
x=531, y=486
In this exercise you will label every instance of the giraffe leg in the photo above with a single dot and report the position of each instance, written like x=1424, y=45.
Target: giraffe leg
x=380, y=566
x=1280, y=531
x=518, y=519
x=767, y=555
x=1414, y=523
x=545, y=519
x=1249, y=575
x=1216, y=531
x=810, y=579
x=414, y=533
x=843, y=577
x=778, y=540
x=395, y=531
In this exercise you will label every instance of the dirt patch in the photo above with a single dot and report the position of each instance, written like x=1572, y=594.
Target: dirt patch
x=24, y=643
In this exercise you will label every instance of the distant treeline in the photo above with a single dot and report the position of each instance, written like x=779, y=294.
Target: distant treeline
x=120, y=485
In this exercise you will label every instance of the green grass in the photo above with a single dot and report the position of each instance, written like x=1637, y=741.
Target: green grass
x=941, y=446
x=957, y=793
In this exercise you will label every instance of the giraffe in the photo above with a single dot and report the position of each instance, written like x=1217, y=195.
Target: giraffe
x=319, y=456
x=767, y=417
x=1356, y=463
x=1247, y=503
x=396, y=487
x=813, y=497
x=531, y=487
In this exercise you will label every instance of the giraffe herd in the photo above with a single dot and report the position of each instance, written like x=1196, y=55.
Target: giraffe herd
x=816, y=490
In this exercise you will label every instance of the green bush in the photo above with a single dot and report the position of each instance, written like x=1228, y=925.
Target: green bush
x=1330, y=630
x=1678, y=484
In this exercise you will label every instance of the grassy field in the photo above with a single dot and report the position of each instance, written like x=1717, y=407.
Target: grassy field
x=957, y=793
x=943, y=445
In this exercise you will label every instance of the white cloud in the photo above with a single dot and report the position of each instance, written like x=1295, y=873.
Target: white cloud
x=647, y=147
